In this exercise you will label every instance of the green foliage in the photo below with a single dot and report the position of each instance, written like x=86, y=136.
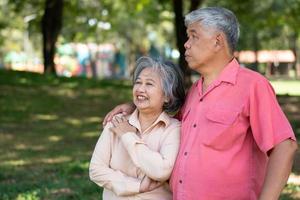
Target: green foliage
x=265, y=24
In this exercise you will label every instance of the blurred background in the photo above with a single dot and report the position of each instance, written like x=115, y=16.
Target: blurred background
x=65, y=63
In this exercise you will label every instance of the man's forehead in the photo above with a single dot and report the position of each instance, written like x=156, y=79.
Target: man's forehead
x=193, y=27
x=192, y=30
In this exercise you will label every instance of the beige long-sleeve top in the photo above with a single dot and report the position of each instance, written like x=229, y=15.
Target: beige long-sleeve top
x=119, y=164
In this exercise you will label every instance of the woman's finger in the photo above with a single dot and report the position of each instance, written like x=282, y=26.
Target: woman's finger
x=124, y=119
x=118, y=119
x=114, y=122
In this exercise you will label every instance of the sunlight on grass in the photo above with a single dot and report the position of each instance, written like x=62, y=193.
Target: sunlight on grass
x=45, y=117
x=95, y=92
x=12, y=163
x=91, y=134
x=30, y=195
x=54, y=138
x=286, y=87
x=73, y=121
x=59, y=159
x=20, y=146
x=23, y=80
x=61, y=191
x=63, y=92
x=93, y=119
x=5, y=136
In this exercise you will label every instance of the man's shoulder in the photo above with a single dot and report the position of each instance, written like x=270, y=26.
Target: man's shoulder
x=250, y=76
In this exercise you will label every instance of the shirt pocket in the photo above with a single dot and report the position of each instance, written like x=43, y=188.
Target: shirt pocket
x=221, y=132
x=222, y=115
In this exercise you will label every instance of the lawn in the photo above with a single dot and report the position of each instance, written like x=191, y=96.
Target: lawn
x=48, y=129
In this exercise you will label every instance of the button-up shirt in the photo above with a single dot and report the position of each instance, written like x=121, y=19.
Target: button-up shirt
x=119, y=164
x=225, y=136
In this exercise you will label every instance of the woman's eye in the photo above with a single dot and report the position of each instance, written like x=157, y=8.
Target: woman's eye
x=149, y=84
x=137, y=82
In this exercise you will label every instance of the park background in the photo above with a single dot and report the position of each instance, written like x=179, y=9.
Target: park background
x=65, y=63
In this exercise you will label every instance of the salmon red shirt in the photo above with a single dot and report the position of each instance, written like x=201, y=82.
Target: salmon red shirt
x=225, y=136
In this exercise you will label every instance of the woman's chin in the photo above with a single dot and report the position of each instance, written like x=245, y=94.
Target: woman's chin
x=141, y=108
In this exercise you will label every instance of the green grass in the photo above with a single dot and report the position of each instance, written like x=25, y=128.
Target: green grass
x=286, y=87
x=48, y=129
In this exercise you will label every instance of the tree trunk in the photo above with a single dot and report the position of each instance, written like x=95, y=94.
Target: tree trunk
x=51, y=26
x=181, y=36
x=195, y=4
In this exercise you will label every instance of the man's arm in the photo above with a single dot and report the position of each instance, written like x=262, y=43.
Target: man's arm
x=278, y=169
x=125, y=109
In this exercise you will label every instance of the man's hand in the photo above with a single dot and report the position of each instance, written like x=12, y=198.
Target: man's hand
x=121, y=126
x=125, y=109
x=148, y=184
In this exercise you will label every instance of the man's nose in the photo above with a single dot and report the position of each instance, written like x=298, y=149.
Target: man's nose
x=187, y=44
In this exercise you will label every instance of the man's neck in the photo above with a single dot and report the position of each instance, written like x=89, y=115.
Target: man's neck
x=213, y=71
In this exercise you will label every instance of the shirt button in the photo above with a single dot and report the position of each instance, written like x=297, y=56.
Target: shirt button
x=185, y=153
x=180, y=181
x=195, y=125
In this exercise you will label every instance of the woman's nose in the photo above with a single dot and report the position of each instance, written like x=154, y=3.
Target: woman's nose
x=140, y=88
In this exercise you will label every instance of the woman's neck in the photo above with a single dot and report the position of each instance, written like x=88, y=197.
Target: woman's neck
x=147, y=119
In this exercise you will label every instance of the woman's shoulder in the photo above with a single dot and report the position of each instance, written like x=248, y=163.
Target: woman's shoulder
x=174, y=122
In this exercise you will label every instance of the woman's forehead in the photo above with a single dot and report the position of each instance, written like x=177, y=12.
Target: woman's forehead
x=149, y=72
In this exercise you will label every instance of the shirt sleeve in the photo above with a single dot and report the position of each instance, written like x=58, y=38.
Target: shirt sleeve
x=268, y=123
x=156, y=165
x=104, y=176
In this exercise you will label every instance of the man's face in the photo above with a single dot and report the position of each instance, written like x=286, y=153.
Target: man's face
x=200, y=46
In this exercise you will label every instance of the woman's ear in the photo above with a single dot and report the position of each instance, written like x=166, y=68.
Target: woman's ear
x=167, y=99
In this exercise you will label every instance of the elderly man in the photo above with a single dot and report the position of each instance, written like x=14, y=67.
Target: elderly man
x=236, y=142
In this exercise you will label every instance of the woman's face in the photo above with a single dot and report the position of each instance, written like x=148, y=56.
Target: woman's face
x=148, y=95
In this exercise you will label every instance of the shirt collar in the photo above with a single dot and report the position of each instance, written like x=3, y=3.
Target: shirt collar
x=134, y=120
x=229, y=73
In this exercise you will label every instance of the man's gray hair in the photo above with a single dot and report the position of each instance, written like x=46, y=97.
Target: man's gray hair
x=218, y=18
x=171, y=79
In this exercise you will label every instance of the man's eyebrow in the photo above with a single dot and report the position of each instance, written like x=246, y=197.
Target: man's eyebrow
x=191, y=31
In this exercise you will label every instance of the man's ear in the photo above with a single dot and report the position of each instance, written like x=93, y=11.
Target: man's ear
x=219, y=41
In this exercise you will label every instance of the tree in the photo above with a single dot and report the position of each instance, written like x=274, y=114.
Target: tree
x=181, y=36
x=51, y=27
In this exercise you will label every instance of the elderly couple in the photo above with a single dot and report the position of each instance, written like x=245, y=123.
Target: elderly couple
x=230, y=139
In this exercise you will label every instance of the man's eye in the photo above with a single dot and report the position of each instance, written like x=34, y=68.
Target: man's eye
x=149, y=84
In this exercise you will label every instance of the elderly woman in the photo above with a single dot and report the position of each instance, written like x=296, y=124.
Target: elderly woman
x=134, y=156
